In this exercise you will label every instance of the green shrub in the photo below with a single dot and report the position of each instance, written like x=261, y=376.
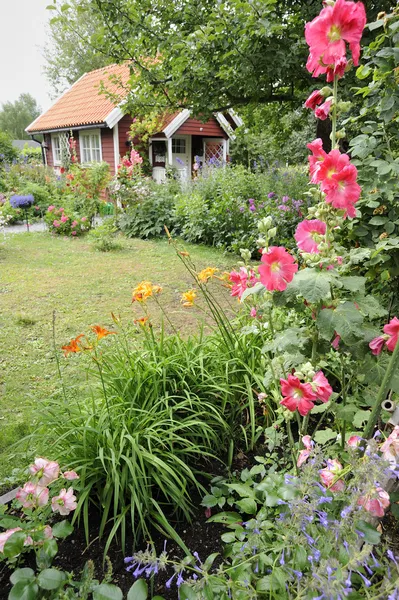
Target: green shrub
x=104, y=237
x=11, y=215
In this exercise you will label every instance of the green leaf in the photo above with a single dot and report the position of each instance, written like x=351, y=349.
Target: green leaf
x=23, y=591
x=370, y=306
x=354, y=283
x=247, y=505
x=242, y=490
x=107, y=591
x=227, y=518
x=62, y=529
x=371, y=535
x=210, y=560
x=228, y=537
x=51, y=579
x=362, y=416
x=14, y=544
x=186, y=592
x=378, y=220
x=25, y=574
x=324, y=435
x=325, y=323
x=138, y=591
x=209, y=501
x=256, y=289
x=347, y=320
x=313, y=285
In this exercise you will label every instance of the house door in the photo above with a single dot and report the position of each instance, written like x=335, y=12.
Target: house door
x=181, y=155
x=214, y=151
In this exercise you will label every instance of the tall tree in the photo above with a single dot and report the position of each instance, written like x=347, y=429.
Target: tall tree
x=16, y=116
x=68, y=52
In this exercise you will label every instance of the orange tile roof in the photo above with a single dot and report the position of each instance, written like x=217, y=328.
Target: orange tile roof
x=82, y=104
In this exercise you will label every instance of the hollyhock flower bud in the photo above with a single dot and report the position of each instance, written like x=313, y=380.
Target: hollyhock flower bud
x=47, y=471
x=64, y=503
x=322, y=111
x=277, y=269
x=315, y=98
x=335, y=342
x=253, y=312
x=376, y=345
x=328, y=475
x=375, y=502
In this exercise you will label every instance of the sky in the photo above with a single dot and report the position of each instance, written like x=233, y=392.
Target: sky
x=22, y=36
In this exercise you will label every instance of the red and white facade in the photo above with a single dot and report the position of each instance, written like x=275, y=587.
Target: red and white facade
x=101, y=130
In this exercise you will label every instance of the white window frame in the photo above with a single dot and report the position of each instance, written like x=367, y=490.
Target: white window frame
x=56, y=161
x=178, y=141
x=82, y=134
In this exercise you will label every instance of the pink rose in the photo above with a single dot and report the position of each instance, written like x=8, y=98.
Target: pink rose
x=329, y=474
x=51, y=208
x=64, y=503
x=73, y=232
x=64, y=219
x=47, y=471
x=56, y=223
x=74, y=223
x=32, y=495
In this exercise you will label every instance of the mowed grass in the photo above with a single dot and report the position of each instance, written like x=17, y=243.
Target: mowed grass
x=40, y=274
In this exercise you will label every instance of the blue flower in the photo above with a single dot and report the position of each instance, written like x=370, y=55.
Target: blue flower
x=21, y=201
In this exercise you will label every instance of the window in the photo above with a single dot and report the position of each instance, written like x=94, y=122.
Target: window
x=56, y=142
x=90, y=146
x=178, y=146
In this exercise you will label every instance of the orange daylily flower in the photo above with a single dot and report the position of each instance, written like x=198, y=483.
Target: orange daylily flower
x=141, y=321
x=188, y=298
x=101, y=331
x=73, y=346
x=184, y=253
x=145, y=290
x=206, y=274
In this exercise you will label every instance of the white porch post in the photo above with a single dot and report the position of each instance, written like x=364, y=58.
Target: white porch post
x=115, y=131
x=170, y=155
x=224, y=150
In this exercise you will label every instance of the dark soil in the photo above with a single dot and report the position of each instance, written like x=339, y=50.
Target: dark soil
x=74, y=551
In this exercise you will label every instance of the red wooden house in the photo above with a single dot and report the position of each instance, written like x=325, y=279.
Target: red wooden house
x=101, y=129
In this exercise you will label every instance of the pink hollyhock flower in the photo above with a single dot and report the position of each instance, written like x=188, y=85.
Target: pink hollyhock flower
x=375, y=502
x=278, y=268
x=135, y=158
x=64, y=503
x=322, y=111
x=5, y=535
x=32, y=495
x=297, y=395
x=70, y=475
x=354, y=441
x=338, y=70
x=376, y=345
x=392, y=329
x=126, y=162
x=327, y=33
x=315, y=161
x=305, y=235
x=51, y=208
x=322, y=388
x=314, y=99
x=335, y=342
x=328, y=475
x=240, y=281
x=56, y=223
x=304, y=454
x=390, y=448
x=253, y=312
x=83, y=219
x=47, y=471
x=333, y=163
x=344, y=191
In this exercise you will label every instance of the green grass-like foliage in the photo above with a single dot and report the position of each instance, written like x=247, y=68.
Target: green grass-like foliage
x=158, y=413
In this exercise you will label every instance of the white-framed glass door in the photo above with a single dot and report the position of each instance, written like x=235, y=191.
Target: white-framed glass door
x=181, y=155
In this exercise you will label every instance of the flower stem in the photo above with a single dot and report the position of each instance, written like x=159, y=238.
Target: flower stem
x=382, y=393
x=334, y=114
x=292, y=444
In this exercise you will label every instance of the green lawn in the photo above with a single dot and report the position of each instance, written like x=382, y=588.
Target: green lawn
x=40, y=274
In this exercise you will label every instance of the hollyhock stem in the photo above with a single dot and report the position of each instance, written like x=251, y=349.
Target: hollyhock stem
x=343, y=431
x=334, y=114
x=382, y=393
x=292, y=443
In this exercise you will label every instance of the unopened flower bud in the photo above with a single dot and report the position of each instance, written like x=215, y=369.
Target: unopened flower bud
x=272, y=232
x=245, y=254
x=299, y=374
x=341, y=134
x=261, y=241
x=326, y=91
x=265, y=224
